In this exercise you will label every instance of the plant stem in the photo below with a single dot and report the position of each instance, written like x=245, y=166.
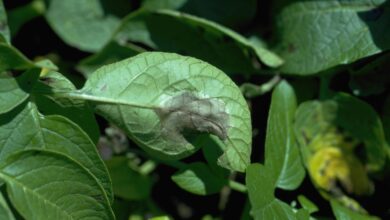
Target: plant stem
x=237, y=186
x=147, y=167
x=250, y=90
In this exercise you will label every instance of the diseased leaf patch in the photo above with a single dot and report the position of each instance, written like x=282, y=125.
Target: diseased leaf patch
x=186, y=114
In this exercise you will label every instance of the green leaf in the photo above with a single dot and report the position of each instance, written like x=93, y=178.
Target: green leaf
x=282, y=157
x=5, y=211
x=4, y=30
x=15, y=90
x=25, y=128
x=162, y=99
x=112, y=52
x=199, y=179
x=307, y=204
x=128, y=183
x=363, y=123
x=11, y=58
x=317, y=35
x=82, y=115
x=260, y=185
x=196, y=37
x=81, y=24
x=48, y=185
x=227, y=12
x=343, y=213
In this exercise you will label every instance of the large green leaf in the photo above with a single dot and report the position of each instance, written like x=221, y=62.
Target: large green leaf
x=231, y=13
x=4, y=30
x=48, y=185
x=82, y=24
x=282, y=157
x=15, y=90
x=317, y=35
x=162, y=99
x=25, y=128
x=173, y=31
x=343, y=213
x=5, y=211
x=260, y=185
x=127, y=182
x=199, y=179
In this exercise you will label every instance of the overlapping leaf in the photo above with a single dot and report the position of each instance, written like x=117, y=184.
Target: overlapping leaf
x=82, y=24
x=316, y=35
x=172, y=31
x=161, y=99
x=281, y=152
x=226, y=12
x=25, y=128
x=48, y=185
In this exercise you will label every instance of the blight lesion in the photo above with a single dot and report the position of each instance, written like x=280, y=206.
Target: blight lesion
x=186, y=114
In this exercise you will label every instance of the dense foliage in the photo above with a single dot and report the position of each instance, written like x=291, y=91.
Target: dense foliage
x=194, y=109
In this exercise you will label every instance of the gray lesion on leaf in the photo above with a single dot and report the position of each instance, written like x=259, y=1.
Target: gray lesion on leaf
x=186, y=114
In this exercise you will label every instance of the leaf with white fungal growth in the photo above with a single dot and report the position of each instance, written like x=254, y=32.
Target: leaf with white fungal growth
x=162, y=100
x=186, y=113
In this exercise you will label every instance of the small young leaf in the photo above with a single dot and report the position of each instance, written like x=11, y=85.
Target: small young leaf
x=307, y=204
x=281, y=152
x=48, y=185
x=141, y=95
x=317, y=35
x=343, y=213
x=5, y=211
x=24, y=128
x=128, y=183
x=199, y=179
x=15, y=90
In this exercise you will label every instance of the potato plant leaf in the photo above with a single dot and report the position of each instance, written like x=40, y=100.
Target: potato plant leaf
x=11, y=58
x=82, y=24
x=25, y=128
x=4, y=29
x=260, y=185
x=232, y=14
x=199, y=179
x=196, y=37
x=162, y=99
x=37, y=190
x=15, y=90
x=281, y=152
x=82, y=115
x=343, y=213
x=316, y=35
x=5, y=211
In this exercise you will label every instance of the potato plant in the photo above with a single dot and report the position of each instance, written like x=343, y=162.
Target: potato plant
x=194, y=109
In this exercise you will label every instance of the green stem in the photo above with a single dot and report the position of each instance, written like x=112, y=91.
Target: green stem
x=237, y=186
x=147, y=167
x=250, y=90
